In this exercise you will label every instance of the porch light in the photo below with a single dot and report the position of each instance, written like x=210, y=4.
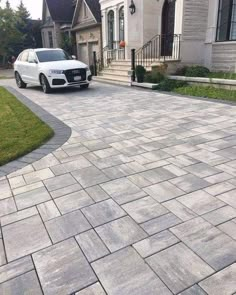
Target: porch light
x=132, y=7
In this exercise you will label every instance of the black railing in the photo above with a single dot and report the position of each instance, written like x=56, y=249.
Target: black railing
x=159, y=48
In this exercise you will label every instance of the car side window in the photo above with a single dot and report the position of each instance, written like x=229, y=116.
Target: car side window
x=31, y=57
x=24, y=56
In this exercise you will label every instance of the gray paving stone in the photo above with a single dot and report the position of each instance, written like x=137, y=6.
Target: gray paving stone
x=31, y=198
x=160, y=223
x=15, y=268
x=229, y=228
x=24, y=284
x=90, y=176
x=118, y=171
x=59, y=182
x=7, y=206
x=182, y=161
x=95, y=289
x=201, y=202
x=229, y=198
x=66, y=226
x=139, y=180
x=19, y=215
x=73, y=201
x=46, y=162
x=195, y=290
x=38, y=175
x=91, y=245
x=97, y=194
x=71, y=166
x=222, y=282
x=2, y=253
x=180, y=149
x=5, y=190
x=171, y=267
x=202, y=170
x=48, y=210
x=120, y=233
x=126, y=271
x=25, y=237
x=179, y=210
x=144, y=209
x=16, y=182
x=27, y=188
x=122, y=190
x=212, y=245
x=220, y=215
x=103, y=212
x=157, y=175
x=163, y=191
x=218, y=178
x=68, y=270
x=175, y=170
x=207, y=157
x=156, y=243
x=66, y=190
x=189, y=183
x=111, y=161
x=219, y=188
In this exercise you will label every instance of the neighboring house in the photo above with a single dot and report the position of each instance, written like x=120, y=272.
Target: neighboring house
x=57, y=19
x=86, y=27
x=186, y=31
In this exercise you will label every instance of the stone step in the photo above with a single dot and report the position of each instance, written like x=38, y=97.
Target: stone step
x=115, y=77
x=113, y=71
x=111, y=81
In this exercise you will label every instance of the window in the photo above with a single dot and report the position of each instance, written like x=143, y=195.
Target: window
x=50, y=39
x=111, y=29
x=121, y=24
x=24, y=56
x=31, y=57
x=226, y=28
x=52, y=55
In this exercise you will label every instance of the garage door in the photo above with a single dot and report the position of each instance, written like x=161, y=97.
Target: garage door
x=83, y=53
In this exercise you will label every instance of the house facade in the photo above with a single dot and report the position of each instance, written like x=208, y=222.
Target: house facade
x=186, y=31
x=86, y=27
x=57, y=19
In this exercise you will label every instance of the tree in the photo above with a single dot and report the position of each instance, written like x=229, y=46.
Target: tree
x=8, y=31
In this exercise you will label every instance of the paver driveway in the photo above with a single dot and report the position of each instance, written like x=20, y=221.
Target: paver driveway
x=140, y=200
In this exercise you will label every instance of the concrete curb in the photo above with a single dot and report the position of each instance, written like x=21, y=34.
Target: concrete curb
x=62, y=133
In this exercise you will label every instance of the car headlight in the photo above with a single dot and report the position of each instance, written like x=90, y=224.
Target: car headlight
x=57, y=72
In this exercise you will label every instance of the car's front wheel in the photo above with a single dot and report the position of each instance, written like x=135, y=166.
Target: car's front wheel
x=45, y=85
x=19, y=81
x=84, y=86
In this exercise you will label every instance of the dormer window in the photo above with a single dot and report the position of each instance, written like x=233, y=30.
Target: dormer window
x=226, y=28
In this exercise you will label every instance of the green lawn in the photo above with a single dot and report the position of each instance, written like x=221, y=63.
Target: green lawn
x=208, y=92
x=20, y=130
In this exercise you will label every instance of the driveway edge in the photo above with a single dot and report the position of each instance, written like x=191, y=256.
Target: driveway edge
x=62, y=133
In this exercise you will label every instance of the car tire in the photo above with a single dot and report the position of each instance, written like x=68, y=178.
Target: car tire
x=19, y=82
x=84, y=86
x=45, y=85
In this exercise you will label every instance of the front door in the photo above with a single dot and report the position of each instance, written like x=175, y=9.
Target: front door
x=168, y=27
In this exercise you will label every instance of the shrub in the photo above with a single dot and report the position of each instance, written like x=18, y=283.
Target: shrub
x=154, y=77
x=140, y=72
x=181, y=71
x=197, y=71
x=170, y=85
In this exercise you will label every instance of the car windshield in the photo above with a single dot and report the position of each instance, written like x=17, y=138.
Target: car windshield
x=52, y=55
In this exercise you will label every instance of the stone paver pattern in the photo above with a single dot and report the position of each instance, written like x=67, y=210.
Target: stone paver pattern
x=141, y=200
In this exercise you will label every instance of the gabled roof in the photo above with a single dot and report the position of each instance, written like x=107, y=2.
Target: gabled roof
x=61, y=11
x=95, y=8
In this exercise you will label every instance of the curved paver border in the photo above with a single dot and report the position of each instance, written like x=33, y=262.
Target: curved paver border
x=62, y=133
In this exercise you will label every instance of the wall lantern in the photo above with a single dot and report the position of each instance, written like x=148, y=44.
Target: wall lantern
x=132, y=7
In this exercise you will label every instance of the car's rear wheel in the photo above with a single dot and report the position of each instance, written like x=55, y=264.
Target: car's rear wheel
x=19, y=81
x=84, y=86
x=45, y=85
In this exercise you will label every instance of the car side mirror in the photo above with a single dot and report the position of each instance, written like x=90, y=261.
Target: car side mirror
x=35, y=61
x=73, y=56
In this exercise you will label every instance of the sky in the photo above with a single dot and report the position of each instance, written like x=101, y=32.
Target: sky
x=33, y=6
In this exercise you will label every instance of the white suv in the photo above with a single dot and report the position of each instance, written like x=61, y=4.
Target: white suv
x=50, y=68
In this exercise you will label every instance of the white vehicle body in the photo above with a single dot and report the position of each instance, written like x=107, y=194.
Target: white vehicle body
x=34, y=65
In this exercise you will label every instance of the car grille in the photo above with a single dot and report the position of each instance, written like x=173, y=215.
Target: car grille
x=70, y=74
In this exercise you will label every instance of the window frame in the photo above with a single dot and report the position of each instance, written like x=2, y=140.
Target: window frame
x=229, y=22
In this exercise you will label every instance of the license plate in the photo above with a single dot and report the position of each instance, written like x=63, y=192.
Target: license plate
x=77, y=78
